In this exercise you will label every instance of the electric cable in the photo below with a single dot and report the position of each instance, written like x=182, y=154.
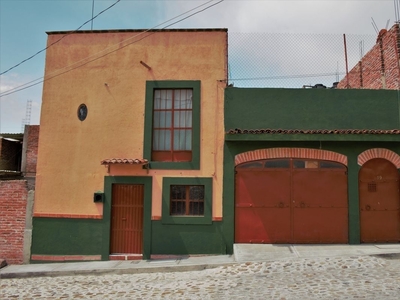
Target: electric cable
x=70, y=68
x=37, y=53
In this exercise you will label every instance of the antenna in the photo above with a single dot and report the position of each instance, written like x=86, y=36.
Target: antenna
x=387, y=24
x=396, y=11
x=91, y=23
x=374, y=25
x=27, y=119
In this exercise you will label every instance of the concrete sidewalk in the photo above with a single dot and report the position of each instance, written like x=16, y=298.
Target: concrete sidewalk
x=242, y=253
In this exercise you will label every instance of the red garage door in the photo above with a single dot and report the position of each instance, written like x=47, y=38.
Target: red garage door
x=379, y=202
x=291, y=201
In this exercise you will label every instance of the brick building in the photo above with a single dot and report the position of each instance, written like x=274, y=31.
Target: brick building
x=17, y=183
x=379, y=68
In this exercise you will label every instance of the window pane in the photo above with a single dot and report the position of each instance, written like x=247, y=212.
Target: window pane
x=196, y=192
x=178, y=192
x=299, y=164
x=279, y=163
x=196, y=208
x=156, y=119
x=253, y=164
x=331, y=165
x=157, y=99
x=183, y=119
x=183, y=139
x=161, y=140
x=164, y=119
x=183, y=99
x=178, y=208
x=169, y=99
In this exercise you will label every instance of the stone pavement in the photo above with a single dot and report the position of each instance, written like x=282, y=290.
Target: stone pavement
x=361, y=277
x=254, y=272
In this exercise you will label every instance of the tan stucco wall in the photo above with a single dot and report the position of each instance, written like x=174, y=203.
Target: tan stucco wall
x=113, y=88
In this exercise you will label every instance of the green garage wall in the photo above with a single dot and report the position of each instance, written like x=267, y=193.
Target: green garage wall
x=306, y=109
x=251, y=108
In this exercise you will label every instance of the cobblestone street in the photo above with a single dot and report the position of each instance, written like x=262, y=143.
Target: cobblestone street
x=363, y=277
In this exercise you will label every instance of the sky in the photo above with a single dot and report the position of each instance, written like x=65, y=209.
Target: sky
x=24, y=23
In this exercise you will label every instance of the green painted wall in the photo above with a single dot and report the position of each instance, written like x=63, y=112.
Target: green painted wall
x=252, y=108
x=52, y=236
x=188, y=239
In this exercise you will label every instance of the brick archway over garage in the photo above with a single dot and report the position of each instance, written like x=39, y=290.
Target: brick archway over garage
x=272, y=153
x=387, y=154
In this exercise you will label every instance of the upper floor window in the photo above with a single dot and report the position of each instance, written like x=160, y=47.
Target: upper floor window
x=172, y=125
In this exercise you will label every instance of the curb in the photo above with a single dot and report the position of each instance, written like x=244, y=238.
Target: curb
x=140, y=270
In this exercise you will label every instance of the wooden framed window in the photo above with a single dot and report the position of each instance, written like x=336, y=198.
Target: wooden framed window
x=187, y=200
x=172, y=125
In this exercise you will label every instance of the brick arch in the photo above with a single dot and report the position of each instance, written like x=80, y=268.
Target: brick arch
x=272, y=153
x=387, y=154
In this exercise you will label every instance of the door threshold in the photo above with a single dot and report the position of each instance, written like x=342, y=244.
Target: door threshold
x=125, y=256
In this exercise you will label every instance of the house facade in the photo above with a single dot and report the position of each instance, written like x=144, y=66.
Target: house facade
x=131, y=145
x=312, y=166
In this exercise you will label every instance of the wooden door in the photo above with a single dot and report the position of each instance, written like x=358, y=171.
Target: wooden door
x=127, y=219
x=379, y=202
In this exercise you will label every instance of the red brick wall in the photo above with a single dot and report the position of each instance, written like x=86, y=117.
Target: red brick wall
x=368, y=72
x=32, y=135
x=13, y=200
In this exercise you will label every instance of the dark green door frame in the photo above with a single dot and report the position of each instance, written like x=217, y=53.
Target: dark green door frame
x=108, y=182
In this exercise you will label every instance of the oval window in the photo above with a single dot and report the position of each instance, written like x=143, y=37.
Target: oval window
x=82, y=112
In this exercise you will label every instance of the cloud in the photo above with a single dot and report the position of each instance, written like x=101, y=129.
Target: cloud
x=13, y=107
x=289, y=16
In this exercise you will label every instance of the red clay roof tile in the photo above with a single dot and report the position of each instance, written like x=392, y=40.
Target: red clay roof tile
x=313, y=131
x=131, y=161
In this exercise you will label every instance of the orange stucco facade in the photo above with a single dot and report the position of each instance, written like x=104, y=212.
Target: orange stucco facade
x=103, y=70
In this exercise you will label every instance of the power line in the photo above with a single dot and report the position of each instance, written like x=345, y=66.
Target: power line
x=69, y=68
x=37, y=53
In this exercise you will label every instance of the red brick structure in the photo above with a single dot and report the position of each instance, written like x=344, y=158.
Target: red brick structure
x=272, y=153
x=13, y=202
x=18, y=154
x=379, y=68
x=30, y=150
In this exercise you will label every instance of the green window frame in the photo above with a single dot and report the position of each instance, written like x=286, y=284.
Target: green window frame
x=167, y=218
x=151, y=86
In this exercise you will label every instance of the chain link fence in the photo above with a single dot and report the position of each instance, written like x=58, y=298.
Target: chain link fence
x=294, y=60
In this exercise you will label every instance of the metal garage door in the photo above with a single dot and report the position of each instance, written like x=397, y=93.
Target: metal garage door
x=379, y=202
x=291, y=201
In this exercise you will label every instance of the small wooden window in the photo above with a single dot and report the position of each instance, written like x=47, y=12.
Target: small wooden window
x=187, y=200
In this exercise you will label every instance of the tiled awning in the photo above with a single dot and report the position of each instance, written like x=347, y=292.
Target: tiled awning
x=127, y=161
x=313, y=131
